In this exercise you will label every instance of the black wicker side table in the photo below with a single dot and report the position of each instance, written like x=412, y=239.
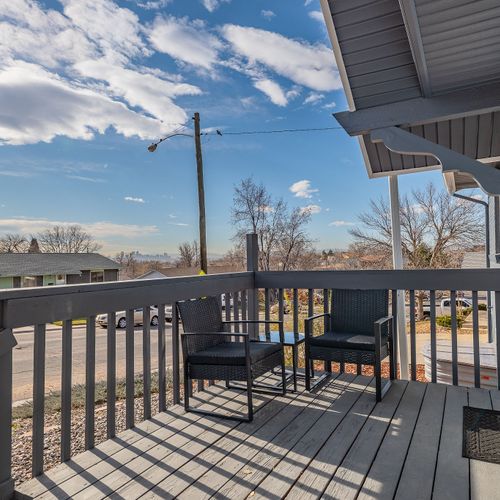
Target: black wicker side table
x=293, y=340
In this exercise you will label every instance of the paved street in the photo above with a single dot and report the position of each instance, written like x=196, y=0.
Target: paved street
x=23, y=356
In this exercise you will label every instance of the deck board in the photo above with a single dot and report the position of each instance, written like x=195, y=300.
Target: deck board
x=382, y=479
x=336, y=443
x=417, y=476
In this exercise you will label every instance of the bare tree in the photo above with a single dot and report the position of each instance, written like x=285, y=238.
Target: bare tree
x=281, y=232
x=436, y=229
x=67, y=239
x=128, y=263
x=188, y=254
x=13, y=243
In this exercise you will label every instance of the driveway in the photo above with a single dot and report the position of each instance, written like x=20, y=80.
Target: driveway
x=23, y=356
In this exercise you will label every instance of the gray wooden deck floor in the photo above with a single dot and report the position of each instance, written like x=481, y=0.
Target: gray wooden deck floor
x=334, y=444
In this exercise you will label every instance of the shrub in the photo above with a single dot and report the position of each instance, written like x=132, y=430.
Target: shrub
x=446, y=320
x=482, y=307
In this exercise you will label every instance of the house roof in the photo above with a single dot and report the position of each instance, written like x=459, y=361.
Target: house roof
x=152, y=275
x=38, y=264
x=428, y=66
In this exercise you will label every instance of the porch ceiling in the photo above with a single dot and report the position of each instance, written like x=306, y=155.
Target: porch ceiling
x=416, y=55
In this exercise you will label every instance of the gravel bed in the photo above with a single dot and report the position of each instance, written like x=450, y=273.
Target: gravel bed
x=22, y=431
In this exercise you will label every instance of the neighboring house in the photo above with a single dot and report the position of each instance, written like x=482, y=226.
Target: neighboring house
x=44, y=269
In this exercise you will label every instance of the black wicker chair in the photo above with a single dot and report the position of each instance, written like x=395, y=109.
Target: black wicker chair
x=212, y=352
x=358, y=330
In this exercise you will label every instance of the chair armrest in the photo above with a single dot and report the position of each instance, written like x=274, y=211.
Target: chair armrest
x=308, y=321
x=378, y=333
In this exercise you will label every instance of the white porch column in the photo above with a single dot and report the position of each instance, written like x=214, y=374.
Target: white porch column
x=397, y=261
x=494, y=212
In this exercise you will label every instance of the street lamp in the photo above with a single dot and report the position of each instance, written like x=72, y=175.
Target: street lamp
x=201, y=190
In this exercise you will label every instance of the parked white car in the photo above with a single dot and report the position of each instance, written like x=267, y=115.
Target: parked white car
x=444, y=309
x=121, y=317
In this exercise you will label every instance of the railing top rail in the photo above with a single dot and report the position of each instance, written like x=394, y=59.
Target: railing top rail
x=25, y=307
x=421, y=279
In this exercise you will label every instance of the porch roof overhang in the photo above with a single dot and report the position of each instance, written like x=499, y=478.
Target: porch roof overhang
x=429, y=67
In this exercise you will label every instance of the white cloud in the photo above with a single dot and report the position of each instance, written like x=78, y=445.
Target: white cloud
x=181, y=224
x=317, y=15
x=267, y=14
x=84, y=178
x=212, y=5
x=303, y=189
x=308, y=2
x=186, y=41
x=153, y=4
x=172, y=216
x=116, y=30
x=272, y=90
x=134, y=199
x=314, y=98
x=301, y=62
x=37, y=106
x=312, y=209
x=100, y=229
x=15, y=173
x=330, y=105
x=341, y=223
x=151, y=93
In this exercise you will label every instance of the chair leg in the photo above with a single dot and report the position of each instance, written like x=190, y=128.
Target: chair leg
x=283, y=373
x=309, y=368
x=187, y=383
x=392, y=361
x=378, y=379
x=250, y=399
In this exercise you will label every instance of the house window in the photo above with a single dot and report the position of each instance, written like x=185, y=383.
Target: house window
x=96, y=276
x=27, y=281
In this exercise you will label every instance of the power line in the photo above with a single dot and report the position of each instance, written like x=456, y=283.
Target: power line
x=277, y=131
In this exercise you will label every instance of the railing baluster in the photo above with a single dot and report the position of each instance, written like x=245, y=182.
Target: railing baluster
x=146, y=361
x=326, y=326
x=295, y=310
x=475, y=340
x=454, y=340
x=7, y=343
x=111, y=376
x=38, y=399
x=227, y=302
x=162, y=374
x=497, y=331
x=175, y=356
x=90, y=384
x=129, y=370
x=433, y=336
x=394, y=299
x=236, y=310
x=310, y=312
x=267, y=309
x=281, y=305
x=244, y=308
x=66, y=383
x=413, y=337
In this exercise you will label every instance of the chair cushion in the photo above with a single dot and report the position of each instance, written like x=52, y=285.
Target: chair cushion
x=345, y=340
x=233, y=353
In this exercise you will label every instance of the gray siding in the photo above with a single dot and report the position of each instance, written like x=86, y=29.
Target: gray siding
x=16, y=282
x=376, y=52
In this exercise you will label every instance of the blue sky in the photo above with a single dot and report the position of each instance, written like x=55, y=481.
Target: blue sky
x=85, y=85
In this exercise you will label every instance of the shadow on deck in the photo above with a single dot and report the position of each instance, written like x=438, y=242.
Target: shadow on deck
x=337, y=443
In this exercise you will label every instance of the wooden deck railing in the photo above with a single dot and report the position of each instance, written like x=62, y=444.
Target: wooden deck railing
x=251, y=293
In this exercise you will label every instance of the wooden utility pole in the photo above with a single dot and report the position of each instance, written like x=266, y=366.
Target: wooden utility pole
x=201, y=194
